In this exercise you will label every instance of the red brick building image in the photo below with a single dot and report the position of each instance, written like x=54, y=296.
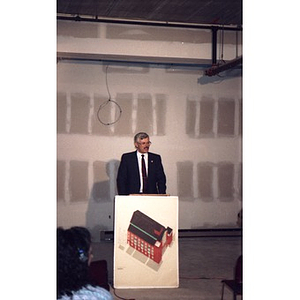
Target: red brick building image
x=148, y=236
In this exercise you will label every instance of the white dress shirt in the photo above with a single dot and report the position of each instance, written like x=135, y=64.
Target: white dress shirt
x=139, y=157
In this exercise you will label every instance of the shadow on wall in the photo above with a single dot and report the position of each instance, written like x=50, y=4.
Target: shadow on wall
x=100, y=211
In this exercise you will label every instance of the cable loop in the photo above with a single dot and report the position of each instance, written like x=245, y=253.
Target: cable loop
x=103, y=105
x=106, y=103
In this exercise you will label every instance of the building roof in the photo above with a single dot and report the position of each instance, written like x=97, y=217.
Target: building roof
x=146, y=228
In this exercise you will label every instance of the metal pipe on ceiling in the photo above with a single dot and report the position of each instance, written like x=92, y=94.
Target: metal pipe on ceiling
x=62, y=58
x=96, y=19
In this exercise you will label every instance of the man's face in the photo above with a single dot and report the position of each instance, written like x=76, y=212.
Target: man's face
x=143, y=145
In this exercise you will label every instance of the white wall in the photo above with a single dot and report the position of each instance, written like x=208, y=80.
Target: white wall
x=166, y=92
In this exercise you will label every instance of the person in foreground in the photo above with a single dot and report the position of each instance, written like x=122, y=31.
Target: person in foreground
x=140, y=171
x=74, y=255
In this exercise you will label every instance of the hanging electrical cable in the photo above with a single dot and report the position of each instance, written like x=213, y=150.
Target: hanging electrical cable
x=236, y=45
x=221, y=58
x=109, y=102
x=221, y=53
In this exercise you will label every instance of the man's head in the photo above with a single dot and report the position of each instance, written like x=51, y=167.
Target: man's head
x=142, y=142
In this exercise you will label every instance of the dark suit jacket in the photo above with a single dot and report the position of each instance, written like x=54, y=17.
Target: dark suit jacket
x=128, y=179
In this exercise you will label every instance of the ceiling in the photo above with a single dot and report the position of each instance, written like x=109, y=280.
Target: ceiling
x=187, y=12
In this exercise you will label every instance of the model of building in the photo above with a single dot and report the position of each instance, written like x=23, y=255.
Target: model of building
x=148, y=236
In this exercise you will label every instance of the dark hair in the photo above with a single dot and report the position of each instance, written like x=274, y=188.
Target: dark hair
x=73, y=247
x=140, y=136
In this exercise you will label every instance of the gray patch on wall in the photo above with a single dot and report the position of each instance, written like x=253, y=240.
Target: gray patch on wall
x=226, y=117
x=105, y=115
x=144, y=114
x=206, y=118
x=161, y=111
x=104, y=187
x=191, y=117
x=61, y=112
x=225, y=181
x=79, y=113
x=61, y=175
x=78, y=181
x=124, y=125
x=185, y=180
x=100, y=190
x=205, y=181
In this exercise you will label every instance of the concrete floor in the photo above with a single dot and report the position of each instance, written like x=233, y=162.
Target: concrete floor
x=203, y=263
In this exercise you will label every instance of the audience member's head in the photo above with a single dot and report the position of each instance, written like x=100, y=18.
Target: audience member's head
x=73, y=259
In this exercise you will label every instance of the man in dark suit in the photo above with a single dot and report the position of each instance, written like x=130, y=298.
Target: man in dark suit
x=141, y=172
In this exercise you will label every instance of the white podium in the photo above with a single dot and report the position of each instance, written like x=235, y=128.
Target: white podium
x=146, y=242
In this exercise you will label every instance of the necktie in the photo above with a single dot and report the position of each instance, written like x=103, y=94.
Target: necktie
x=144, y=175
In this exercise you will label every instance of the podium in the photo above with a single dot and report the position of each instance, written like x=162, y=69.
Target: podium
x=146, y=241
